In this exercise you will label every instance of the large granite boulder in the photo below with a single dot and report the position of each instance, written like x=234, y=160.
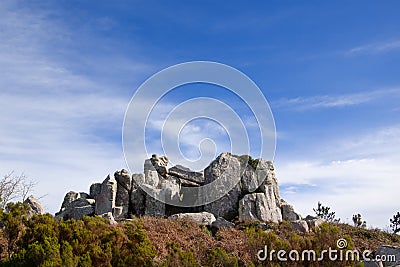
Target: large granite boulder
x=225, y=170
x=124, y=188
x=160, y=164
x=154, y=207
x=187, y=174
x=170, y=191
x=69, y=198
x=94, y=190
x=288, y=213
x=105, y=200
x=201, y=218
x=269, y=186
x=249, y=179
x=151, y=178
x=77, y=209
x=240, y=190
x=77, y=213
x=221, y=223
x=257, y=207
x=313, y=222
x=389, y=251
x=137, y=195
x=35, y=207
x=300, y=225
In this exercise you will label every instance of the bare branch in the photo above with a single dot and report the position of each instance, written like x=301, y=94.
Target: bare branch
x=14, y=187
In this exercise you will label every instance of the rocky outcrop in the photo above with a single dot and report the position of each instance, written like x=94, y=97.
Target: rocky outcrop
x=201, y=218
x=288, y=213
x=77, y=209
x=313, y=222
x=225, y=168
x=253, y=194
x=391, y=254
x=105, y=200
x=392, y=251
x=300, y=225
x=160, y=164
x=187, y=175
x=35, y=207
x=258, y=207
x=221, y=223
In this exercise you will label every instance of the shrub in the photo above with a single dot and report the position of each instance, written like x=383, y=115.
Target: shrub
x=177, y=257
x=395, y=223
x=358, y=222
x=323, y=212
x=219, y=257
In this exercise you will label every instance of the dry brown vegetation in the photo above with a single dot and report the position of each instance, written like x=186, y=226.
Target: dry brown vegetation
x=150, y=241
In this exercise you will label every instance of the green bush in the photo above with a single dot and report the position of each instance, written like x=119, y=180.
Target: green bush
x=219, y=257
x=178, y=257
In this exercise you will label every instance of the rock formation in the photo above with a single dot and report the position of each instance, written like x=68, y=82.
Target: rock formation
x=253, y=194
x=35, y=207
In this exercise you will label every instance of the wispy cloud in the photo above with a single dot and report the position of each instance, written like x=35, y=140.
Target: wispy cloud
x=375, y=48
x=356, y=174
x=333, y=101
x=59, y=124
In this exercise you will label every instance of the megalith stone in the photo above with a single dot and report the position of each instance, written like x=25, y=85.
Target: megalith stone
x=224, y=172
x=35, y=207
x=258, y=207
x=105, y=200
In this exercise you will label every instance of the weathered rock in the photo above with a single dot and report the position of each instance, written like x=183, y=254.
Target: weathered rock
x=122, y=196
x=124, y=185
x=170, y=190
x=82, y=202
x=154, y=207
x=77, y=209
x=160, y=164
x=389, y=251
x=224, y=171
x=148, y=166
x=78, y=212
x=265, y=172
x=137, y=179
x=201, y=218
x=300, y=225
x=313, y=222
x=138, y=201
x=159, y=161
x=69, y=198
x=258, y=207
x=95, y=189
x=109, y=216
x=84, y=195
x=187, y=174
x=118, y=212
x=105, y=200
x=221, y=223
x=249, y=179
x=151, y=178
x=35, y=207
x=288, y=213
x=186, y=183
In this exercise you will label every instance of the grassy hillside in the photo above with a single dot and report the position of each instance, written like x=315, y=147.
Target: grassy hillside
x=148, y=241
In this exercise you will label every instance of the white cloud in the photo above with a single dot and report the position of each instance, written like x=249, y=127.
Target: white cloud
x=358, y=174
x=375, y=48
x=334, y=101
x=60, y=128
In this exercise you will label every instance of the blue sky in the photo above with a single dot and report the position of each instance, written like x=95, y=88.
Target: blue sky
x=330, y=72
